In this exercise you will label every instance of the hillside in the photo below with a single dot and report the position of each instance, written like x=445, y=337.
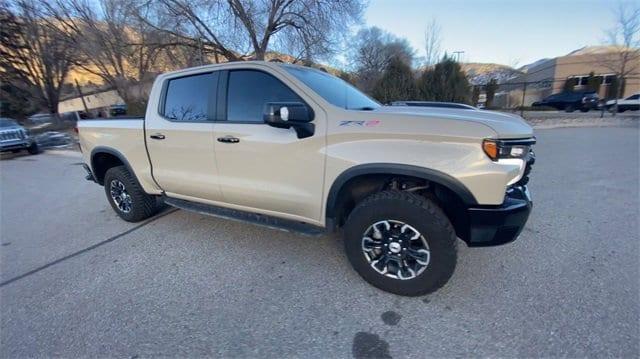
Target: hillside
x=481, y=73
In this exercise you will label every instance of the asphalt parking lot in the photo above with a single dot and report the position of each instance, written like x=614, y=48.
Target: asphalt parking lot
x=76, y=281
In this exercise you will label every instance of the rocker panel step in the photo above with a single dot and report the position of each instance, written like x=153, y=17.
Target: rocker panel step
x=247, y=217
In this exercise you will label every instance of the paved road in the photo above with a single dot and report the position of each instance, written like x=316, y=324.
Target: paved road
x=576, y=114
x=188, y=285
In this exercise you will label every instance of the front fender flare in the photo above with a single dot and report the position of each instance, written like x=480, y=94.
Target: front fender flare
x=431, y=175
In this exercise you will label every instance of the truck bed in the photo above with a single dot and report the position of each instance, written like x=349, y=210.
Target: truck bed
x=123, y=137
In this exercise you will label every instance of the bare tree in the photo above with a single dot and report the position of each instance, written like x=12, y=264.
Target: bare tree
x=114, y=45
x=624, y=37
x=33, y=53
x=243, y=29
x=432, y=43
x=371, y=52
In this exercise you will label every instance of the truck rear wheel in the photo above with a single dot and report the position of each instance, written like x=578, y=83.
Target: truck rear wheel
x=127, y=197
x=401, y=243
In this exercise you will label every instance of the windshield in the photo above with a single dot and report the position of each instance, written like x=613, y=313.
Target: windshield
x=5, y=122
x=334, y=90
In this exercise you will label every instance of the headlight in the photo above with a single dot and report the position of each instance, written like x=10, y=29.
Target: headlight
x=498, y=149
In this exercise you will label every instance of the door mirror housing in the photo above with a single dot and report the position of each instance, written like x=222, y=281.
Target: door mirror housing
x=294, y=115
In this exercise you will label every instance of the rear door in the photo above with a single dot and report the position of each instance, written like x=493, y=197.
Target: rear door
x=180, y=138
x=268, y=169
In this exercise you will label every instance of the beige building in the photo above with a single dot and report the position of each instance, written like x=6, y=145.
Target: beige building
x=548, y=76
x=94, y=101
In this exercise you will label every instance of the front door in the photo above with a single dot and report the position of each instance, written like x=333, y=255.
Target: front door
x=180, y=138
x=261, y=167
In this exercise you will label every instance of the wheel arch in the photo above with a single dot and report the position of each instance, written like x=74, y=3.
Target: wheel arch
x=103, y=158
x=360, y=173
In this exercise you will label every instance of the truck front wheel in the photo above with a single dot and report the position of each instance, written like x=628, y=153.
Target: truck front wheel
x=127, y=197
x=401, y=243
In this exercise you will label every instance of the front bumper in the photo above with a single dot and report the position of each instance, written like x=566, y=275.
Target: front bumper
x=9, y=145
x=496, y=225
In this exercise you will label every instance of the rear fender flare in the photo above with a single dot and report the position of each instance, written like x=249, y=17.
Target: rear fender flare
x=113, y=152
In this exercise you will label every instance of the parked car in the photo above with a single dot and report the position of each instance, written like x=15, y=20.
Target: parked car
x=433, y=104
x=301, y=150
x=631, y=103
x=42, y=118
x=118, y=110
x=570, y=101
x=15, y=138
x=53, y=139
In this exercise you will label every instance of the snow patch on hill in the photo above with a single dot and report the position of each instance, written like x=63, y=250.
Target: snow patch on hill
x=482, y=73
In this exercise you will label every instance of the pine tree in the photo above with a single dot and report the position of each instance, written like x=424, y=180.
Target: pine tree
x=396, y=84
x=475, y=95
x=444, y=82
x=491, y=89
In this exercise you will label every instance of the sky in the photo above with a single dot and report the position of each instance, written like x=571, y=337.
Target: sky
x=510, y=32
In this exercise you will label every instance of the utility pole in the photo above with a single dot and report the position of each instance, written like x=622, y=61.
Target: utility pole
x=84, y=104
x=458, y=55
x=200, y=51
x=524, y=92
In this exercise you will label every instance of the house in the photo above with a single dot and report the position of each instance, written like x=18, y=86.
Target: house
x=549, y=76
x=94, y=102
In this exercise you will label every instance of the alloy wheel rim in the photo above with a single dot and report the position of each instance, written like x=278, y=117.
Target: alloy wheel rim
x=395, y=249
x=120, y=196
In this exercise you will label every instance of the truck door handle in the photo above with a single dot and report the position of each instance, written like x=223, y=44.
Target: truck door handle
x=157, y=136
x=228, y=139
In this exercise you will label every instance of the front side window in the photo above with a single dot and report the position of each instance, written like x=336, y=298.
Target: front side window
x=250, y=90
x=333, y=90
x=189, y=98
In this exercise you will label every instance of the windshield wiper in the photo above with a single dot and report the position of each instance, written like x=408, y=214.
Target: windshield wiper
x=366, y=108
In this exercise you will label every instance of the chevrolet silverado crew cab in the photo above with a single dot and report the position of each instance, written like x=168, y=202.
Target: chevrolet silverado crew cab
x=296, y=148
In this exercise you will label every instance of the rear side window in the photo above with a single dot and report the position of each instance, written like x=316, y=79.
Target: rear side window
x=250, y=90
x=191, y=98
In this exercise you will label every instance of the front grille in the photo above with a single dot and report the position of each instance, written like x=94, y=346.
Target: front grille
x=531, y=159
x=12, y=135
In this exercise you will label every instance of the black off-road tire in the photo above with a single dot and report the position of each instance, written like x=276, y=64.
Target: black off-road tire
x=420, y=213
x=33, y=149
x=143, y=205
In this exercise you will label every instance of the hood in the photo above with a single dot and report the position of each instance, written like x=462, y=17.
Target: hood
x=503, y=124
x=11, y=128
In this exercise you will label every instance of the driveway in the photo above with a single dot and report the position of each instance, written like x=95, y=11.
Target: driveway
x=76, y=281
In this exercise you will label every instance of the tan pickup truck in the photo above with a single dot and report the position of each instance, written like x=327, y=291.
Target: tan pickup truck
x=298, y=149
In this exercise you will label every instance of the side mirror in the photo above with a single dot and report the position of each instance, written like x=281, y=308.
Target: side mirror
x=294, y=115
